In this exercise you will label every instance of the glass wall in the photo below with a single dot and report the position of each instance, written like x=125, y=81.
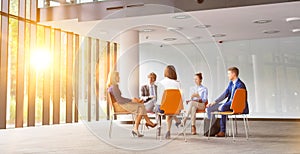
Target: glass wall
x=269, y=67
x=42, y=70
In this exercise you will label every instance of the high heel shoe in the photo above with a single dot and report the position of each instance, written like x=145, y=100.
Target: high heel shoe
x=168, y=135
x=150, y=125
x=136, y=133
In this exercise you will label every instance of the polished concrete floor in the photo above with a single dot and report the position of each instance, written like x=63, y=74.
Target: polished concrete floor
x=265, y=137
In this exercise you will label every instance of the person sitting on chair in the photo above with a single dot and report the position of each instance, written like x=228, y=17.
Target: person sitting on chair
x=149, y=92
x=197, y=102
x=169, y=82
x=235, y=83
x=134, y=105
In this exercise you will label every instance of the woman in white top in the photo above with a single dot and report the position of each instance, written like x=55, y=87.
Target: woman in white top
x=169, y=82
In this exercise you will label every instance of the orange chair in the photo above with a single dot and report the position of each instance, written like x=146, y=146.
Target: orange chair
x=171, y=105
x=237, y=106
x=115, y=109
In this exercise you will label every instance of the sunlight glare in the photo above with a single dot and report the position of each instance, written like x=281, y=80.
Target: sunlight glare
x=40, y=59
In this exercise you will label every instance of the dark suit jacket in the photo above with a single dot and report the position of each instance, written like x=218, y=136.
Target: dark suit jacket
x=145, y=91
x=227, y=93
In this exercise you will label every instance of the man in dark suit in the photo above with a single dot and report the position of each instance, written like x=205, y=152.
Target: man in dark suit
x=149, y=93
x=235, y=83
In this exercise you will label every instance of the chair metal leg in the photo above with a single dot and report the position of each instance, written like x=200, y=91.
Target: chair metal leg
x=209, y=126
x=203, y=125
x=228, y=131
x=232, y=128
x=110, y=126
x=156, y=118
x=247, y=122
x=142, y=125
x=160, y=137
x=184, y=133
x=236, y=130
x=244, y=119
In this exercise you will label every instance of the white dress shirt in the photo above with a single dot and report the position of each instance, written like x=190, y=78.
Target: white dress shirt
x=232, y=88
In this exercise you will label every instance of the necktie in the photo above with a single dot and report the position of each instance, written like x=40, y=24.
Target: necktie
x=152, y=91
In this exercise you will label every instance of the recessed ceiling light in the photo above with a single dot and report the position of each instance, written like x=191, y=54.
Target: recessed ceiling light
x=194, y=38
x=297, y=30
x=182, y=16
x=262, y=21
x=273, y=31
x=174, y=28
x=292, y=19
x=170, y=39
x=202, y=26
x=147, y=30
x=218, y=35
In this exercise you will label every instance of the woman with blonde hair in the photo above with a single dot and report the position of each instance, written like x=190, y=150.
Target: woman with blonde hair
x=134, y=105
x=169, y=82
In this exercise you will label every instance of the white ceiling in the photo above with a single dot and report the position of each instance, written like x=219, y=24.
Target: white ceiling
x=236, y=23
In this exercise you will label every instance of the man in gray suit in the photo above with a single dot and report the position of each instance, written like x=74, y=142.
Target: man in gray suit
x=149, y=93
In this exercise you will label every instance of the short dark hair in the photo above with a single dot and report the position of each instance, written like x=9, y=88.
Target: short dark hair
x=170, y=72
x=234, y=70
x=199, y=75
x=152, y=74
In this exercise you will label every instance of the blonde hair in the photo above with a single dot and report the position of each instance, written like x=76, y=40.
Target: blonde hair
x=111, y=80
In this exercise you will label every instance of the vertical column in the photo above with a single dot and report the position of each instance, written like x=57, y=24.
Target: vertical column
x=129, y=63
x=76, y=77
x=97, y=79
x=108, y=58
x=3, y=64
x=69, y=78
x=33, y=10
x=32, y=80
x=115, y=56
x=46, y=82
x=259, y=104
x=107, y=70
x=56, y=76
x=20, y=68
x=89, y=51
